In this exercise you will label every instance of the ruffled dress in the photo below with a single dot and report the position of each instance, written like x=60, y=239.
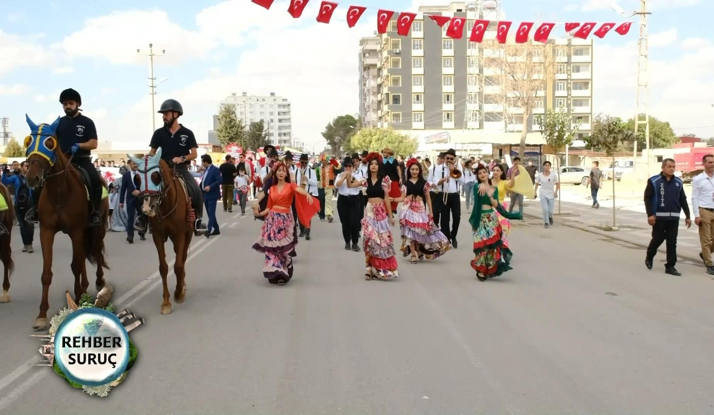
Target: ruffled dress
x=380, y=259
x=416, y=225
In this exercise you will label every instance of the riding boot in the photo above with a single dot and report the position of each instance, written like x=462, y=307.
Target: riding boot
x=95, y=219
x=3, y=229
x=31, y=215
x=199, y=226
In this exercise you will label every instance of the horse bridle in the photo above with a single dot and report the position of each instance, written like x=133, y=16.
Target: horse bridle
x=165, y=186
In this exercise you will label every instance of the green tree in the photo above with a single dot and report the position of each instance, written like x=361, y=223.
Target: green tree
x=558, y=130
x=230, y=128
x=608, y=135
x=661, y=134
x=13, y=149
x=376, y=139
x=257, y=135
x=339, y=132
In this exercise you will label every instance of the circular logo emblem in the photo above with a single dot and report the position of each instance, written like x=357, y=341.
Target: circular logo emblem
x=92, y=347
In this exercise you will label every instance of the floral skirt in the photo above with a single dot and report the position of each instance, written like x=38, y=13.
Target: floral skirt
x=277, y=241
x=378, y=243
x=417, y=228
x=505, y=225
x=491, y=257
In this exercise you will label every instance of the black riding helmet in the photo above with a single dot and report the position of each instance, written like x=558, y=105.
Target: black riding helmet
x=70, y=95
x=171, y=105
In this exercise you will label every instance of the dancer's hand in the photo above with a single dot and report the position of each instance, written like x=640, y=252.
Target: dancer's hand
x=490, y=191
x=482, y=188
x=391, y=221
x=309, y=199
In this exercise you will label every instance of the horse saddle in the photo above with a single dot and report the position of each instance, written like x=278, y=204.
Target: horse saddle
x=88, y=182
x=188, y=190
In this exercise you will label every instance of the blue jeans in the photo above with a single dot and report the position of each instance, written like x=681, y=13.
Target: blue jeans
x=593, y=193
x=548, y=206
x=469, y=191
x=211, y=212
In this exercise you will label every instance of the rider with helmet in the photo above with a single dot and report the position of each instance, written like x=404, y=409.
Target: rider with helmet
x=77, y=137
x=178, y=148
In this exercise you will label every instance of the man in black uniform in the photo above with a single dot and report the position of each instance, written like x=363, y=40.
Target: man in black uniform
x=77, y=137
x=178, y=148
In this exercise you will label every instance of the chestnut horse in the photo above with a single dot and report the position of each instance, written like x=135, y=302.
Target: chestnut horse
x=63, y=207
x=5, y=246
x=167, y=207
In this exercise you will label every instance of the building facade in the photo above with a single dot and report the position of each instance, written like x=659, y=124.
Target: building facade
x=369, y=56
x=428, y=82
x=274, y=111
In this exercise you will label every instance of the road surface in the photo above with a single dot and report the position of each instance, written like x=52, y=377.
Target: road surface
x=578, y=327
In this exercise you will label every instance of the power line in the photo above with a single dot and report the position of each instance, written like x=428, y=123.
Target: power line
x=152, y=79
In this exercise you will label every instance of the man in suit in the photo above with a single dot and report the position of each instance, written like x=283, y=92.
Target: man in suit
x=129, y=192
x=211, y=192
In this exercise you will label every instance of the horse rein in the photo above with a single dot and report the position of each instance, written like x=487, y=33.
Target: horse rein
x=164, y=189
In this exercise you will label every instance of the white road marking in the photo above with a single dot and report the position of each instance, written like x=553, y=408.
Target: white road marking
x=233, y=224
x=22, y=388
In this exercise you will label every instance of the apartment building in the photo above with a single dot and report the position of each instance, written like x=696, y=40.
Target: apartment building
x=369, y=55
x=275, y=111
x=428, y=82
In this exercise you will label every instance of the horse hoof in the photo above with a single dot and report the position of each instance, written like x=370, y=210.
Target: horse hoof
x=180, y=296
x=5, y=297
x=166, y=309
x=40, y=324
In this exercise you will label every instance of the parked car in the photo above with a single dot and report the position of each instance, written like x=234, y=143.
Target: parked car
x=574, y=175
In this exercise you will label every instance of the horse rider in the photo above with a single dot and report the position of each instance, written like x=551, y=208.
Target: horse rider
x=77, y=137
x=178, y=148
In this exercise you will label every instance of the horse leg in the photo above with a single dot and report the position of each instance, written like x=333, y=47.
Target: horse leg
x=6, y=255
x=47, y=240
x=180, y=269
x=163, y=270
x=79, y=265
x=101, y=262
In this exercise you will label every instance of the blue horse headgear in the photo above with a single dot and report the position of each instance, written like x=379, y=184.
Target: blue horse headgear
x=148, y=167
x=41, y=140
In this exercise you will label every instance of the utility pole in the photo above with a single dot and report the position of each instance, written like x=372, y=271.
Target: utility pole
x=152, y=79
x=642, y=118
x=4, y=122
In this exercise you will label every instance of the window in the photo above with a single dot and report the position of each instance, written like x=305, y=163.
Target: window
x=472, y=97
x=396, y=99
x=560, y=52
x=418, y=80
x=395, y=63
x=537, y=70
x=492, y=81
x=583, y=119
x=447, y=62
x=396, y=117
x=448, y=116
x=417, y=63
x=447, y=44
x=581, y=68
x=560, y=86
x=538, y=103
x=448, y=80
x=560, y=103
x=472, y=61
x=396, y=44
x=449, y=99
x=418, y=99
x=396, y=81
x=418, y=117
x=581, y=86
x=581, y=51
x=561, y=69
x=537, y=53
x=393, y=26
x=470, y=26
x=416, y=27
x=417, y=44
x=581, y=102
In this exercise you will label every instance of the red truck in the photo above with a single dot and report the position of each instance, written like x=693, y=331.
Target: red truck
x=689, y=163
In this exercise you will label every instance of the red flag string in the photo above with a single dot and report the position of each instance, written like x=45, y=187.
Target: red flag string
x=455, y=26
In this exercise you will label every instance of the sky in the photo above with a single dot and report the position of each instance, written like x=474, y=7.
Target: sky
x=214, y=48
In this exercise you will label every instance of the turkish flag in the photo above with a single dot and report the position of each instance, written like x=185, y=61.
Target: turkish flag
x=602, y=31
x=585, y=30
x=296, y=7
x=353, y=15
x=383, y=17
x=456, y=28
x=264, y=3
x=623, y=28
x=478, y=30
x=523, y=30
x=543, y=31
x=405, y=23
x=326, y=10
x=571, y=26
x=502, y=32
x=440, y=20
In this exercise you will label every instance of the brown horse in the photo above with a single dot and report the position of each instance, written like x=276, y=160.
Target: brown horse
x=5, y=246
x=167, y=206
x=63, y=207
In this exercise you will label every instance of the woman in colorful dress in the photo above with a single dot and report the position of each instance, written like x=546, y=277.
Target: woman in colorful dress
x=420, y=236
x=392, y=170
x=491, y=257
x=503, y=185
x=376, y=223
x=278, y=236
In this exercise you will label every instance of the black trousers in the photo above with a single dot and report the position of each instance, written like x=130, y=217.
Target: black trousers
x=664, y=230
x=348, y=207
x=193, y=190
x=436, y=203
x=27, y=229
x=452, y=207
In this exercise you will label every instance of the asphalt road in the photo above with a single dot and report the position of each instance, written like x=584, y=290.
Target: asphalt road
x=578, y=327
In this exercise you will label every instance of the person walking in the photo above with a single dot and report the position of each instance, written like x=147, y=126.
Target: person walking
x=129, y=192
x=664, y=201
x=242, y=181
x=209, y=184
x=228, y=173
x=594, y=181
x=703, y=210
x=549, y=184
x=516, y=198
x=23, y=202
x=349, y=204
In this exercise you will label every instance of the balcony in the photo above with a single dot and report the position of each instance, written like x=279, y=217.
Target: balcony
x=370, y=61
x=493, y=126
x=473, y=88
x=515, y=110
x=418, y=35
x=581, y=75
x=417, y=52
x=417, y=107
x=473, y=125
x=447, y=52
x=447, y=71
x=582, y=110
x=492, y=89
x=580, y=59
x=561, y=76
x=417, y=89
x=538, y=111
x=583, y=127
x=581, y=93
x=418, y=125
x=370, y=47
x=493, y=107
x=448, y=107
x=561, y=93
x=448, y=88
x=448, y=125
x=417, y=71
x=515, y=127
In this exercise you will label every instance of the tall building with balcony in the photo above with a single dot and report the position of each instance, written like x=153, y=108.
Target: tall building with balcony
x=274, y=111
x=429, y=83
x=368, y=58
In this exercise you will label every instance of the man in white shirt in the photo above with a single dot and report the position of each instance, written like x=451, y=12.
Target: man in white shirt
x=349, y=205
x=306, y=178
x=449, y=197
x=436, y=200
x=549, y=187
x=703, y=206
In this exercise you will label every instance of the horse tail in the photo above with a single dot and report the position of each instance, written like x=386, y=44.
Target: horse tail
x=7, y=256
x=94, y=246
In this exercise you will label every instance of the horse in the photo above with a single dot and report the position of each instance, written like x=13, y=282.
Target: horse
x=170, y=216
x=63, y=206
x=6, y=246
